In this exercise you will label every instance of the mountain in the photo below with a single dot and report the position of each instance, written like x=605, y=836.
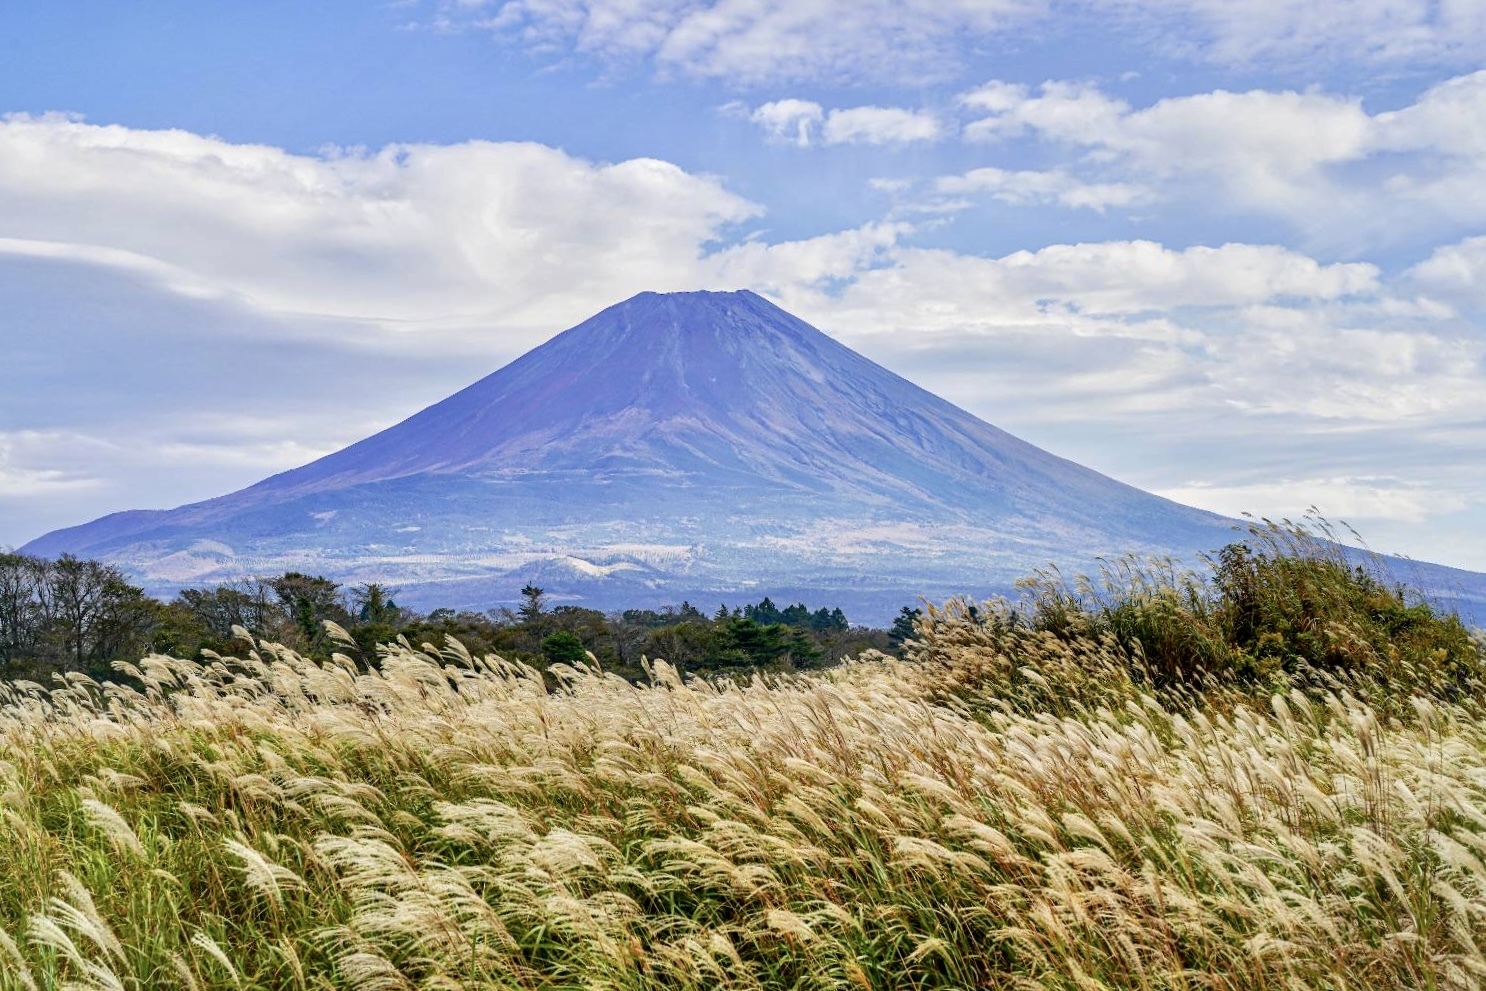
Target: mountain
x=702, y=445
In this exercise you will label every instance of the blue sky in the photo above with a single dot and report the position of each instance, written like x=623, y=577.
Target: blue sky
x=1232, y=251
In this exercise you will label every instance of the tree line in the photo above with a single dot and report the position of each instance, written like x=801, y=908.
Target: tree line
x=73, y=614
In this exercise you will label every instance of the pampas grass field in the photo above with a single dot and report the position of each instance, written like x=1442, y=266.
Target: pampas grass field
x=1033, y=801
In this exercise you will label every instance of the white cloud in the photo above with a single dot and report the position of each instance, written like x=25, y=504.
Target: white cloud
x=996, y=97
x=1439, y=121
x=1133, y=327
x=174, y=278
x=756, y=41
x=1026, y=187
x=793, y=121
x=78, y=464
x=1279, y=381
x=810, y=264
x=1112, y=279
x=1317, y=365
x=1282, y=31
x=53, y=478
x=1121, y=328
x=879, y=126
x=24, y=470
x=1456, y=272
x=467, y=232
x=1341, y=498
x=804, y=122
x=752, y=41
x=1319, y=161
x=1286, y=132
x=1073, y=112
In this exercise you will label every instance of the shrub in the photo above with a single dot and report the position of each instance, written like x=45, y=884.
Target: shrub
x=1285, y=609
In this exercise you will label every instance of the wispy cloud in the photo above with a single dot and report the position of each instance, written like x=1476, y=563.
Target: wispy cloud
x=752, y=41
x=1024, y=187
x=756, y=42
x=27, y=471
x=1351, y=499
x=1248, y=32
x=879, y=126
x=805, y=123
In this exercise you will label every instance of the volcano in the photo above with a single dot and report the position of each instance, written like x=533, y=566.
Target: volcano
x=705, y=446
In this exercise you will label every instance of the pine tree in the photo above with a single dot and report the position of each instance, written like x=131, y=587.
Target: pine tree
x=533, y=606
x=903, y=626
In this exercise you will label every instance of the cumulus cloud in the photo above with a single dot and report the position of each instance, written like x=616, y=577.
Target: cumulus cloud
x=1455, y=272
x=1435, y=121
x=1300, y=156
x=810, y=264
x=1077, y=113
x=1110, y=279
x=407, y=240
x=1134, y=327
x=471, y=231
x=1312, y=363
x=1265, y=139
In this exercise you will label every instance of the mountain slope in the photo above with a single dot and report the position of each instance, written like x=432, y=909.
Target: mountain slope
x=687, y=444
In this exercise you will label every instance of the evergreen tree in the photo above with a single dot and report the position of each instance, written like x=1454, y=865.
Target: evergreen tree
x=310, y=601
x=796, y=615
x=903, y=626
x=374, y=605
x=563, y=647
x=533, y=605
x=766, y=613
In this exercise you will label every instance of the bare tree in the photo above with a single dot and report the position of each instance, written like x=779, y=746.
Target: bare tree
x=251, y=603
x=94, y=614
x=20, y=609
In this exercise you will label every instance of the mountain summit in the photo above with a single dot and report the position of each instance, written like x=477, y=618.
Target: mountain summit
x=705, y=445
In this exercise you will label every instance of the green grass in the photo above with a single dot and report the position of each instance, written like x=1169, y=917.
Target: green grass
x=1146, y=783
